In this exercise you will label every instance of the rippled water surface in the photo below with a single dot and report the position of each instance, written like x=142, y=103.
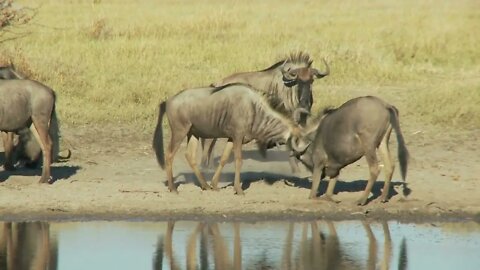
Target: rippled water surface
x=261, y=245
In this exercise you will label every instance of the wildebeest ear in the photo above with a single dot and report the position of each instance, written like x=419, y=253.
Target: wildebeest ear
x=262, y=148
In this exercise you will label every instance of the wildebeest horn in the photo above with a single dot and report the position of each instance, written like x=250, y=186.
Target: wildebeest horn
x=298, y=147
x=319, y=74
x=298, y=113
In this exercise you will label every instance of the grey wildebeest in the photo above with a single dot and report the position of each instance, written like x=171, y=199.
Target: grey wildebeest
x=287, y=86
x=357, y=128
x=28, y=104
x=27, y=147
x=234, y=111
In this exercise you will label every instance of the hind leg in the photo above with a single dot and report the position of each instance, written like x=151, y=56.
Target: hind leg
x=207, y=150
x=40, y=131
x=372, y=161
x=8, y=150
x=190, y=155
x=388, y=164
x=176, y=139
x=223, y=160
x=237, y=151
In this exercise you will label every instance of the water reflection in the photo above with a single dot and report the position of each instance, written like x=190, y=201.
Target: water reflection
x=27, y=246
x=209, y=245
x=319, y=248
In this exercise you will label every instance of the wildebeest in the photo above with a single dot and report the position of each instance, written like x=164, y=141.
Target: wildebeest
x=357, y=128
x=233, y=111
x=28, y=104
x=27, y=147
x=287, y=86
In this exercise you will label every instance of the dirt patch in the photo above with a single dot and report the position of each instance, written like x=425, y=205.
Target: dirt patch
x=113, y=174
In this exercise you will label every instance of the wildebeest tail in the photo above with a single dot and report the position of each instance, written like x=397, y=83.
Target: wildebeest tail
x=403, y=154
x=54, y=132
x=158, y=136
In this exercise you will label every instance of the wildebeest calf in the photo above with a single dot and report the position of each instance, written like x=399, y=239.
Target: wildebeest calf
x=357, y=128
x=233, y=111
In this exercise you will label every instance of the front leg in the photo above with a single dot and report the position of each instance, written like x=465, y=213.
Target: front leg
x=8, y=150
x=316, y=178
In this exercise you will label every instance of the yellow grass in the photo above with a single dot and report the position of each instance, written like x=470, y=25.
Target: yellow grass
x=113, y=61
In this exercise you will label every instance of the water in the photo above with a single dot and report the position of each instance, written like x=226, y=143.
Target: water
x=261, y=245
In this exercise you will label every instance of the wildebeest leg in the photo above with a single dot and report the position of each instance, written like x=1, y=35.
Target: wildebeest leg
x=292, y=160
x=207, y=150
x=330, y=189
x=192, y=247
x=372, y=246
x=316, y=178
x=372, y=161
x=40, y=131
x=388, y=164
x=237, y=152
x=237, y=247
x=8, y=150
x=387, y=247
x=190, y=154
x=176, y=139
x=223, y=161
x=169, y=245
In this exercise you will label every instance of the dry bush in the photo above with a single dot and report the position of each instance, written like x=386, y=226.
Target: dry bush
x=12, y=17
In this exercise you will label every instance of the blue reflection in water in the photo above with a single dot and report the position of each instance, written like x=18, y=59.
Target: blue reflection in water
x=261, y=245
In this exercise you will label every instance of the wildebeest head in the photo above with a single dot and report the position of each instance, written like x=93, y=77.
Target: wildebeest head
x=303, y=78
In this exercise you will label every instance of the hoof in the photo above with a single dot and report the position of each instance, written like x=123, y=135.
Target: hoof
x=361, y=202
x=45, y=180
x=9, y=167
x=173, y=190
x=329, y=199
x=207, y=187
x=240, y=192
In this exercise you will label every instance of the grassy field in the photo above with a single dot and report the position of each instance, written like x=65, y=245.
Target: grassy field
x=113, y=61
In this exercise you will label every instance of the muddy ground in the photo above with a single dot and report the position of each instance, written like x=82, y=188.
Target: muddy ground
x=113, y=174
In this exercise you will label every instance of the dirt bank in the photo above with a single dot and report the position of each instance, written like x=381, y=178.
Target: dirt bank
x=110, y=178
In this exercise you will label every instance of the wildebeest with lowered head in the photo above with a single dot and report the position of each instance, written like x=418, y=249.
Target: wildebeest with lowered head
x=233, y=111
x=286, y=85
x=27, y=148
x=357, y=128
x=27, y=103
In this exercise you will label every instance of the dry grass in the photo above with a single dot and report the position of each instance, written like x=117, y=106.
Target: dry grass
x=113, y=61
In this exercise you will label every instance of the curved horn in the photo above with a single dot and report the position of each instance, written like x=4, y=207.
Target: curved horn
x=319, y=74
x=299, y=148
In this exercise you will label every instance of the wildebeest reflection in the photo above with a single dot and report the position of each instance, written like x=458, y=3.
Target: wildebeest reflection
x=27, y=245
x=317, y=246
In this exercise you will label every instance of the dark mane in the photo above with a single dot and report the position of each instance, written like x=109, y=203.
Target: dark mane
x=220, y=88
x=274, y=66
x=299, y=57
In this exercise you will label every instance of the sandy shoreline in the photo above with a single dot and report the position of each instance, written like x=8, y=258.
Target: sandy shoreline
x=106, y=179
